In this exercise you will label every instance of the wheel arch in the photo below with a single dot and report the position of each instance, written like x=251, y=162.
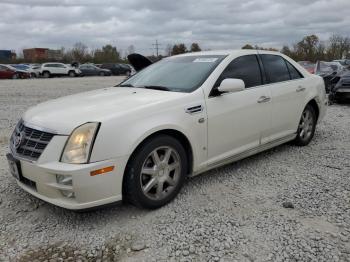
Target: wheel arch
x=180, y=136
x=315, y=106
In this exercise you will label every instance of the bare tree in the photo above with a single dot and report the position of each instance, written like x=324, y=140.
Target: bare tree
x=338, y=48
x=80, y=52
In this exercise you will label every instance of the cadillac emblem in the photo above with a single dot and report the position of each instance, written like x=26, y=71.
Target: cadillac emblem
x=18, y=139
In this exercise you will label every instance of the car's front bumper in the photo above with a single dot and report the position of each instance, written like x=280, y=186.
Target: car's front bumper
x=89, y=191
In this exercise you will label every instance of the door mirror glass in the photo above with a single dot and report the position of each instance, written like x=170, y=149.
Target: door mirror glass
x=230, y=85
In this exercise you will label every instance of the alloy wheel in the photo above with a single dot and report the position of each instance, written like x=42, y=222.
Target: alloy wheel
x=306, y=125
x=160, y=173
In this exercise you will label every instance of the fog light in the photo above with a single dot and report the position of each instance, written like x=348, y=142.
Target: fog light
x=64, y=180
x=68, y=194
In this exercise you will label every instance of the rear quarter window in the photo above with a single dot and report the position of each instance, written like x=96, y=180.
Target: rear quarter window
x=294, y=73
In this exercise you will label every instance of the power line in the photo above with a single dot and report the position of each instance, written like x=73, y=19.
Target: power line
x=156, y=47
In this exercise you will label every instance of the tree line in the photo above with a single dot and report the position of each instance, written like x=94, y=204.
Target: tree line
x=107, y=54
x=311, y=48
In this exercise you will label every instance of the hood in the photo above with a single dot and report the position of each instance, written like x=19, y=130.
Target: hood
x=66, y=113
x=138, y=61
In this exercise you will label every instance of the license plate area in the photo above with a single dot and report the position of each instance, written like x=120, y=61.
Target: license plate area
x=15, y=166
x=16, y=171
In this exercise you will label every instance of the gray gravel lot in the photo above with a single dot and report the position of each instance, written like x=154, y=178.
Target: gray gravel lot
x=233, y=213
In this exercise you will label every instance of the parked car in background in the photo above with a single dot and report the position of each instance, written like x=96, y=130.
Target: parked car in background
x=309, y=66
x=178, y=117
x=330, y=72
x=33, y=71
x=92, y=70
x=8, y=72
x=117, y=69
x=340, y=89
x=58, y=69
x=343, y=62
x=133, y=71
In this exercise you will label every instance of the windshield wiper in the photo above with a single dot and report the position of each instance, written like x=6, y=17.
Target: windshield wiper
x=126, y=85
x=163, y=88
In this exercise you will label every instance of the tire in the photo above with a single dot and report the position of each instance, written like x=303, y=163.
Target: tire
x=15, y=76
x=71, y=74
x=102, y=74
x=33, y=75
x=46, y=74
x=128, y=73
x=306, y=127
x=150, y=185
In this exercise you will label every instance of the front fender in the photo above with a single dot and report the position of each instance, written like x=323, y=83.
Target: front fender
x=120, y=137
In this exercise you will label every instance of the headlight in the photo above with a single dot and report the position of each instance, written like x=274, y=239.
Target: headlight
x=79, y=145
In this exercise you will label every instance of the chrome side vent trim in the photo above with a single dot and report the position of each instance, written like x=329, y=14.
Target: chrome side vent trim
x=194, y=109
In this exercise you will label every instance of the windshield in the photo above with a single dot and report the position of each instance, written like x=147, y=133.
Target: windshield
x=22, y=67
x=178, y=74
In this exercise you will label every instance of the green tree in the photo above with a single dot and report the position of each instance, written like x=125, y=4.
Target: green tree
x=247, y=46
x=179, y=49
x=195, y=47
x=108, y=54
x=306, y=49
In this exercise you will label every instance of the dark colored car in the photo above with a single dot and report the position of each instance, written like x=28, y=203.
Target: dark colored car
x=330, y=72
x=117, y=69
x=92, y=70
x=340, y=91
x=8, y=72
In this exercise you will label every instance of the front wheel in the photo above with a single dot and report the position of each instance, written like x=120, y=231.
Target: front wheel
x=15, y=76
x=46, y=74
x=102, y=74
x=71, y=74
x=155, y=173
x=307, y=127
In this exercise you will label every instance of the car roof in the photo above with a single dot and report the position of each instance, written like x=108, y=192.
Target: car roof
x=232, y=52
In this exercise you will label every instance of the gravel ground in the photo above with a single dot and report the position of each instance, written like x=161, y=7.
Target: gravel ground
x=286, y=204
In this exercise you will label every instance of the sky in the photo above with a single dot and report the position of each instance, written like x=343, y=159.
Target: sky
x=214, y=24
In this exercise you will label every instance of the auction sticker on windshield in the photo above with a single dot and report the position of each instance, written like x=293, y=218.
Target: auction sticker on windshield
x=205, y=60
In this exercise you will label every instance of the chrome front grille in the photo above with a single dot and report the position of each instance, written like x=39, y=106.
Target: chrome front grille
x=29, y=143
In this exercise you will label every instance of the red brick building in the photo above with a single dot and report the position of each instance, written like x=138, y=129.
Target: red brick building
x=35, y=54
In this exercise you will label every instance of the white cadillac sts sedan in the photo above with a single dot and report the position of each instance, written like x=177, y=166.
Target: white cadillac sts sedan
x=175, y=118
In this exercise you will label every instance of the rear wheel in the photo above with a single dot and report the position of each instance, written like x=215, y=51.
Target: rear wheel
x=155, y=173
x=33, y=75
x=307, y=126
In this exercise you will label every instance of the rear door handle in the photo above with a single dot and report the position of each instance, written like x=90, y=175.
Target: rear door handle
x=264, y=99
x=300, y=89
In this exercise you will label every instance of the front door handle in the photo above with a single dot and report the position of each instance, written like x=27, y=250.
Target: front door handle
x=300, y=89
x=264, y=99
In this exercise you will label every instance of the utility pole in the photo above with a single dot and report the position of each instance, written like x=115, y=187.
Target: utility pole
x=156, y=47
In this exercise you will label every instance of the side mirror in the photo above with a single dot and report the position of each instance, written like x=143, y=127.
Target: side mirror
x=231, y=85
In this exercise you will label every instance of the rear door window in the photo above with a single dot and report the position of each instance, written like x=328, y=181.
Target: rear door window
x=275, y=68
